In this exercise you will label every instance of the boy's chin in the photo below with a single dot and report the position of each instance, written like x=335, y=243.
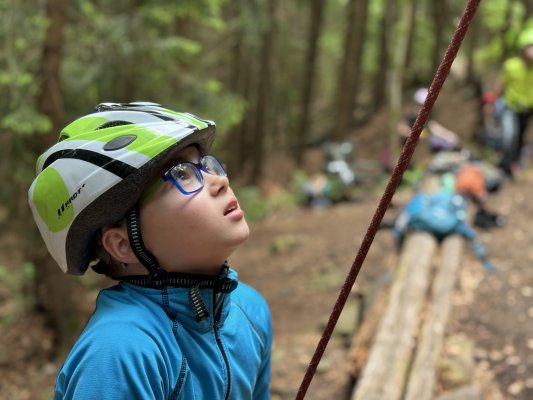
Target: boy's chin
x=242, y=234
x=240, y=240
x=236, y=242
x=246, y=235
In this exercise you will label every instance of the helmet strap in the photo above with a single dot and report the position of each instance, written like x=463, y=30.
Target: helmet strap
x=133, y=223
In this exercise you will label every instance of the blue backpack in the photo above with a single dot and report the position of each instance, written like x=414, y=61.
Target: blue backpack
x=441, y=213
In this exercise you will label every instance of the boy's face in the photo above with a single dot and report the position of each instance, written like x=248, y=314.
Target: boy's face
x=193, y=233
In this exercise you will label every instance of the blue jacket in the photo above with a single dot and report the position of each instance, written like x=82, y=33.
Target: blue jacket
x=144, y=343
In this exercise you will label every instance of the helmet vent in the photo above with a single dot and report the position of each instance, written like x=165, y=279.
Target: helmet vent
x=111, y=124
x=119, y=142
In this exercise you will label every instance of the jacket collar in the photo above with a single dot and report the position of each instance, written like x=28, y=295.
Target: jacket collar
x=197, y=307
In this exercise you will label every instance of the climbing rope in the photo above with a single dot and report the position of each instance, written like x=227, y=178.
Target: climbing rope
x=397, y=173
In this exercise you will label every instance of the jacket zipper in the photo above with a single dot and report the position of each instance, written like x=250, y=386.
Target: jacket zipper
x=221, y=347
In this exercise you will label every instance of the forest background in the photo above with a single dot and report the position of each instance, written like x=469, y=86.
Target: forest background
x=277, y=77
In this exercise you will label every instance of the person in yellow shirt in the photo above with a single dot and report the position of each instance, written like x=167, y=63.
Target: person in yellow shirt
x=517, y=94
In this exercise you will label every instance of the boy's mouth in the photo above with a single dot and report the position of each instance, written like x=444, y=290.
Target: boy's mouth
x=232, y=206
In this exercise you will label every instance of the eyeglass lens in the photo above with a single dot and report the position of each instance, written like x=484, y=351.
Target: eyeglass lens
x=212, y=165
x=188, y=177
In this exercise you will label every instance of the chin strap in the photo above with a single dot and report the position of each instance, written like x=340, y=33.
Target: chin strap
x=157, y=276
x=219, y=283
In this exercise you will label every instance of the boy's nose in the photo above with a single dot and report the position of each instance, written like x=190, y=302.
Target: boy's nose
x=216, y=183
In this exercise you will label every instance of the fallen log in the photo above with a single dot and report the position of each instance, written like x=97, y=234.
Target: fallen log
x=384, y=374
x=422, y=377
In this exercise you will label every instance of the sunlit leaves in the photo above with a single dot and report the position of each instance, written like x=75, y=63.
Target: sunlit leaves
x=503, y=20
x=164, y=13
x=21, y=32
x=26, y=121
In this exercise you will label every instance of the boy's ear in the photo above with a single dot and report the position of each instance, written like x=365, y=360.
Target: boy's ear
x=115, y=241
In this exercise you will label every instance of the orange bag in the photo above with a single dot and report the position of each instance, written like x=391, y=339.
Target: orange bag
x=470, y=181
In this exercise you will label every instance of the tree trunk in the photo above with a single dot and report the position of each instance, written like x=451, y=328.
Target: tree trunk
x=239, y=82
x=410, y=41
x=243, y=136
x=54, y=290
x=350, y=68
x=264, y=92
x=471, y=45
x=396, y=77
x=50, y=100
x=317, y=14
x=528, y=4
x=440, y=16
x=380, y=79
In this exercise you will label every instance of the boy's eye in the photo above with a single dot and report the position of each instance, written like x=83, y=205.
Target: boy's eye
x=181, y=173
x=183, y=176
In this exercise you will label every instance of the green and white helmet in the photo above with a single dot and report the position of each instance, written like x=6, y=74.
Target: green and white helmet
x=98, y=169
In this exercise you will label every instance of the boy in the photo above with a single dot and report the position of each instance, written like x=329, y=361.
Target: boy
x=131, y=190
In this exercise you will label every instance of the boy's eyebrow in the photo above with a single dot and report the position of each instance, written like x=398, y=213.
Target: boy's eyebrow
x=185, y=159
x=187, y=154
x=192, y=159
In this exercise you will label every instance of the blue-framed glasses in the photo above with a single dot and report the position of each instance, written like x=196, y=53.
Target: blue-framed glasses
x=187, y=176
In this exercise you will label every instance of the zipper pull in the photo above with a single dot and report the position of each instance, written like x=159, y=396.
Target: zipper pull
x=197, y=304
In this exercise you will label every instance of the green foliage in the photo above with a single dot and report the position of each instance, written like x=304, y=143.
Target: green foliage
x=205, y=11
x=339, y=190
x=226, y=109
x=25, y=121
x=498, y=14
x=6, y=277
x=14, y=295
x=254, y=205
x=284, y=243
x=298, y=180
x=326, y=278
x=371, y=47
x=171, y=52
x=21, y=32
x=152, y=52
x=15, y=280
x=503, y=19
x=411, y=177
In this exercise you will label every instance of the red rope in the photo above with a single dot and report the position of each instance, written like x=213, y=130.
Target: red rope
x=397, y=173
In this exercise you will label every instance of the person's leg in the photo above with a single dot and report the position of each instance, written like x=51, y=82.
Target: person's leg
x=523, y=119
x=522, y=127
x=510, y=123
